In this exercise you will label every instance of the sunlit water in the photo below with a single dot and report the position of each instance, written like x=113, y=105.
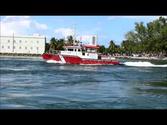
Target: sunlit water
x=35, y=84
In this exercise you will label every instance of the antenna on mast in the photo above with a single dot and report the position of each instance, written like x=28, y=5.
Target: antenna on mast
x=74, y=35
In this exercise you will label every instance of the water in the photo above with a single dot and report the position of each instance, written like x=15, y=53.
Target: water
x=35, y=84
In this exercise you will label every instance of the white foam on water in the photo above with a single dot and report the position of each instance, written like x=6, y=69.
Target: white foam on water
x=90, y=64
x=53, y=61
x=14, y=69
x=143, y=64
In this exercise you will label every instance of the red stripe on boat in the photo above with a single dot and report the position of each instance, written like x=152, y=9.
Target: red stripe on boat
x=47, y=56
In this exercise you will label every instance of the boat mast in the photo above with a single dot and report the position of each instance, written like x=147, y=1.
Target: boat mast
x=13, y=41
x=74, y=36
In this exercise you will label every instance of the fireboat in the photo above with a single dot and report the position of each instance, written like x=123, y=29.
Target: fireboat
x=81, y=54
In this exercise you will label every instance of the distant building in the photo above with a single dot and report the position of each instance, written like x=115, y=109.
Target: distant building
x=94, y=40
x=89, y=39
x=22, y=44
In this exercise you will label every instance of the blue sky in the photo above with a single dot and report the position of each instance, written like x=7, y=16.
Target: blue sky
x=105, y=27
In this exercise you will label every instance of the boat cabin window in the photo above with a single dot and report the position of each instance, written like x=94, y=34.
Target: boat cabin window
x=79, y=50
x=99, y=57
x=83, y=54
x=91, y=50
x=88, y=50
x=83, y=50
x=94, y=50
x=70, y=49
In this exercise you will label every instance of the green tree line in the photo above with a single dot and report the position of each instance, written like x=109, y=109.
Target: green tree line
x=57, y=44
x=149, y=39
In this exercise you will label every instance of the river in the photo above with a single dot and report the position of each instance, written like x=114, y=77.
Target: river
x=35, y=84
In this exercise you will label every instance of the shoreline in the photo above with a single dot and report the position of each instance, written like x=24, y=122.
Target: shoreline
x=117, y=57
x=21, y=56
x=142, y=58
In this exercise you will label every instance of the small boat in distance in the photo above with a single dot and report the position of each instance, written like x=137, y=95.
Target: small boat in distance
x=80, y=54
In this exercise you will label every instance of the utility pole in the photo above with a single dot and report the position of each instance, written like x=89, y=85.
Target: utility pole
x=0, y=33
x=96, y=39
x=13, y=41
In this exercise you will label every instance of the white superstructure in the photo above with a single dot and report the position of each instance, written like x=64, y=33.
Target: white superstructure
x=22, y=44
x=85, y=52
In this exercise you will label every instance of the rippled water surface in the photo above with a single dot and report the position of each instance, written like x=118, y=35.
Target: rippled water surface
x=35, y=84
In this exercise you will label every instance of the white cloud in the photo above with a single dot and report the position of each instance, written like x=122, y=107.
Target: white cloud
x=39, y=26
x=64, y=31
x=15, y=18
x=134, y=17
x=20, y=25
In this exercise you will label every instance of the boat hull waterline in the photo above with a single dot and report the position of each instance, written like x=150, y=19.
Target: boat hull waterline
x=68, y=59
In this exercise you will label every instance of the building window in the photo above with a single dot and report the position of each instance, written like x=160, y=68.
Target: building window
x=2, y=46
x=37, y=48
x=14, y=47
x=25, y=47
x=14, y=41
x=31, y=48
x=20, y=41
x=8, y=41
x=8, y=47
x=37, y=41
x=25, y=41
x=20, y=47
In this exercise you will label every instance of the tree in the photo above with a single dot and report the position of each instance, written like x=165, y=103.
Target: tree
x=131, y=36
x=118, y=49
x=128, y=46
x=102, y=49
x=56, y=44
x=151, y=38
x=47, y=46
x=112, y=47
x=60, y=44
x=53, y=43
x=70, y=41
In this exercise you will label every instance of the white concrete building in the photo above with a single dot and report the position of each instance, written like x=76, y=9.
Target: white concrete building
x=22, y=44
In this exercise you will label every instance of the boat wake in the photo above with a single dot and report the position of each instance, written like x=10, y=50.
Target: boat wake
x=143, y=64
x=54, y=61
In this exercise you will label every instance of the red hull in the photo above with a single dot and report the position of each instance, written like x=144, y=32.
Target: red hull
x=78, y=60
